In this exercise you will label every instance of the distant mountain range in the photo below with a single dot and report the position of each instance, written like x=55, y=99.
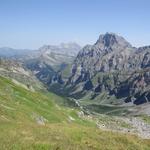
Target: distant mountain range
x=68, y=49
x=45, y=62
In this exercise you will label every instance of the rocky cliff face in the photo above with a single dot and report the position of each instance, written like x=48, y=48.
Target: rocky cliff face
x=113, y=66
x=109, y=53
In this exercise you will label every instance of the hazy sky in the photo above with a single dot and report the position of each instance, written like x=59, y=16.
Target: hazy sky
x=32, y=23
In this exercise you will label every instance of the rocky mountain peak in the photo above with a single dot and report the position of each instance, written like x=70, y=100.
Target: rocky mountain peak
x=112, y=40
x=112, y=65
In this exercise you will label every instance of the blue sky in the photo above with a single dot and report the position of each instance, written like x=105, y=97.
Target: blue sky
x=32, y=23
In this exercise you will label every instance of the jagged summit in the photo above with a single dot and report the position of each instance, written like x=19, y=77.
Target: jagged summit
x=112, y=39
x=109, y=43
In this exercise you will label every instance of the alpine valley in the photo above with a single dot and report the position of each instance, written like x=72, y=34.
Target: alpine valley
x=68, y=97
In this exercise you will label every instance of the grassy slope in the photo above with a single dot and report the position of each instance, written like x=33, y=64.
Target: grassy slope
x=20, y=110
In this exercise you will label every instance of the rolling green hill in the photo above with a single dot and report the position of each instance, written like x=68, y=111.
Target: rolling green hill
x=35, y=121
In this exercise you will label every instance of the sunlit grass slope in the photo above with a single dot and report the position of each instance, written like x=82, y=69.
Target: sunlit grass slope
x=33, y=121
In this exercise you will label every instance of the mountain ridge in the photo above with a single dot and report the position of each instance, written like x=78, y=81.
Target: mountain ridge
x=113, y=66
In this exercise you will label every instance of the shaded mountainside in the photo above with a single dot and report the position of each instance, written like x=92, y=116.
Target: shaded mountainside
x=112, y=66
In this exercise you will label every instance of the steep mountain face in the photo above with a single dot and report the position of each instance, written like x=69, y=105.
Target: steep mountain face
x=113, y=66
x=109, y=53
